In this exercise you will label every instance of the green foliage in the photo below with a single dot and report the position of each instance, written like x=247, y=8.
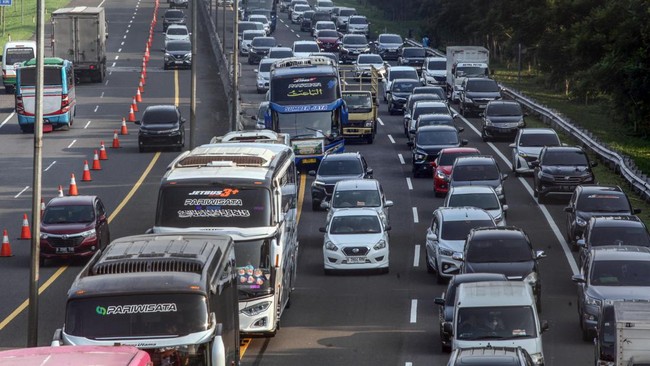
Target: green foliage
x=21, y=24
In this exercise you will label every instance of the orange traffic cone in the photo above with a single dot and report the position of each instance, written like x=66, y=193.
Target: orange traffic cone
x=72, y=190
x=141, y=86
x=60, y=194
x=96, y=164
x=146, y=52
x=5, y=251
x=131, y=114
x=116, y=142
x=25, y=233
x=134, y=104
x=144, y=68
x=86, y=175
x=123, y=129
x=42, y=207
x=102, y=151
x=138, y=96
x=142, y=78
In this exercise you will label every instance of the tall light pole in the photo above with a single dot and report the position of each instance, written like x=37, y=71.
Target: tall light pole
x=235, y=70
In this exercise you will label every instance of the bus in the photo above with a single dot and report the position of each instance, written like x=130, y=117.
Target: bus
x=59, y=99
x=173, y=296
x=15, y=52
x=247, y=190
x=305, y=102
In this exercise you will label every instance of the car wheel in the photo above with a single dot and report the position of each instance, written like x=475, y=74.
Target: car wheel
x=437, y=194
x=446, y=349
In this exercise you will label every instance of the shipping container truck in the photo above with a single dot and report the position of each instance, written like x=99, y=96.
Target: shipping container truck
x=464, y=62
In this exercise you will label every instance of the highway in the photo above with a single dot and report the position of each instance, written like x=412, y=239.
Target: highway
x=362, y=319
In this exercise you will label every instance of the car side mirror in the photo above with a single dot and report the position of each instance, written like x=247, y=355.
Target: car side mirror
x=254, y=118
x=388, y=203
x=461, y=129
x=325, y=205
x=410, y=143
x=534, y=163
x=594, y=163
x=322, y=229
x=568, y=209
x=504, y=176
x=512, y=146
x=636, y=211
x=481, y=114
x=458, y=257
x=183, y=120
x=433, y=164
x=312, y=173
x=162, y=49
x=256, y=71
x=504, y=208
x=439, y=301
x=464, y=142
x=578, y=278
x=581, y=243
x=544, y=326
x=540, y=254
x=432, y=237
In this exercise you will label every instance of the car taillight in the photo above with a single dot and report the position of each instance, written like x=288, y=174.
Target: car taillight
x=20, y=107
x=65, y=103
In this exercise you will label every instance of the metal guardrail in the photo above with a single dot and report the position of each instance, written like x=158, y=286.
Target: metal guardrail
x=621, y=164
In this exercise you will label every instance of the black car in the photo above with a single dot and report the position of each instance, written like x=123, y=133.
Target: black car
x=173, y=16
x=612, y=230
x=178, y=54
x=506, y=250
x=502, y=118
x=425, y=107
x=351, y=46
x=259, y=49
x=388, y=46
x=560, y=169
x=334, y=168
x=178, y=3
x=446, y=313
x=475, y=93
x=428, y=142
x=400, y=90
x=305, y=21
x=490, y=356
x=412, y=56
x=478, y=170
x=590, y=200
x=161, y=126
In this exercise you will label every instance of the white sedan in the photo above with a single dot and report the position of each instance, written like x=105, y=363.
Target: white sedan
x=355, y=239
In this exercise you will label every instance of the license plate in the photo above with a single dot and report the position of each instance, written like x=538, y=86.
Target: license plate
x=178, y=62
x=567, y=188
x=482, y=105
x=65, y=250
x=356, y=260
x=308, y=161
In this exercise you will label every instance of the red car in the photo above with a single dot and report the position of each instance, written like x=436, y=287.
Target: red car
x=442, y=167
x=328, y=40
x=73, y=226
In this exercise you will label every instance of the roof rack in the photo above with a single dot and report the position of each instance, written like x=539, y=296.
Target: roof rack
x=302, y=61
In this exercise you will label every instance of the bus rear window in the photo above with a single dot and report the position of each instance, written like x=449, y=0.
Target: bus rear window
x=213, y=206
x=51, y=76
x=137, y=316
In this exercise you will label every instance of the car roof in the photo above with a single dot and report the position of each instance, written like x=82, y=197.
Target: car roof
x=343, y=156
x=267, y=61
x=564, y=148
x=389, y=34
x=489, y=356
x=405, y=80
x=471, y=189
x=622, y=252
x=257, y=31
x=162, y=107
x=357, y=184
x=463, y=213
x=478, y=277
x=616, y=221
x=498, y=232
x=325, y=21
x=402, y=68
x=436, y=58
x=549, y=131
x=172, y=26
x=278, y=48
x=503, y=102
x=305, y=42
x=357, y=16
x=429, y=103
x=72, y=200
x=437, y=128
x=435, y=117
x=357, y=211
x=455, y=149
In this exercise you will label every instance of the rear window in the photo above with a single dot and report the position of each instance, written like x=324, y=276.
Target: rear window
x=404, y=86
x=437, y=138
x=466, y=172
x=498, y=250
x=564, y=158
x=177, y=31
x=358, y=20
x=52, y=76
x=250, y=35
x=355, y=40
x=265, y=67
x=485, y=201
x=537, y=140
x=263, y=42
x=339, y=167
x=370, y=59
x=347, y=12
x=347, y=199
x=404, y=74
x=174, y=14
x=327, y=33
x=414, y=52
x=306, y=47
x=448, y=158
x=19, y=54
x=503, y=109
x=458, y=230
x=390, y=39
x=603, y=202
x=483, y=86
x=281, y=54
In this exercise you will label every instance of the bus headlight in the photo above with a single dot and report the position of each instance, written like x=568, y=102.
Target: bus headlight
x=256, y=309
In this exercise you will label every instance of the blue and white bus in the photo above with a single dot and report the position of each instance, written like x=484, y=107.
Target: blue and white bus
x=59, y=101
x=305, y=102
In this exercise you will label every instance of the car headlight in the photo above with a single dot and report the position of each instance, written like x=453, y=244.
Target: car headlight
x=367, y=49
x=522, y=154
x=167, y=55
x=580, y=221
x=445, y=252
x=88, y=233
x=538, y=358
x=499, y=189
x=420, y=156
x=592, y=301
x=487, y=121
x=546, y=176
x=188, y=57
x=44, y=235
x=521, y=123
x=441, y=175
x=380, y=245
x=531, y=279
x=330, y=246
x=256, y=309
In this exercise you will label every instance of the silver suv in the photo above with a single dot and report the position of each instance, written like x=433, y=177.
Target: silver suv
x=358, y=193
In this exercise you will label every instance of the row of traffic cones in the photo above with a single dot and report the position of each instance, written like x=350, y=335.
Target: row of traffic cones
x=25, y=234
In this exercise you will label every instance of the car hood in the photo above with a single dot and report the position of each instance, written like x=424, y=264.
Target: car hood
x=619, y=292
x=72, y=228
x=368, y=66
x=513, y=270
x=505, y=119
x=332, y=179
x=355, y=240
x=401, y=95
x=530, y=150
x=328, y=39
x=532, y=345
x=567, y=170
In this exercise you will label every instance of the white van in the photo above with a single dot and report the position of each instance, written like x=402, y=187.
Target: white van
x=13, y=53
x=500, y=314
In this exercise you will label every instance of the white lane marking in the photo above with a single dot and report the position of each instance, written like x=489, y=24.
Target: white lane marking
x=117, y=57
x=401, y=159
x=122, y=44
x=128, y=26
x=96, y=108
x=119, y=50
x=49, y=166
x=110, y=73
x=127, y=31
x=130, y=21
x=415, y=215
x=390, y=137
x=102, y=95
x=113, y=65
x=409, y=183
x=72, y=143
x=414, y=311
x=547, y=215
x=292, y=31
x=380, y=121
x=21, y=192
x=7, y=119
x=298, y=35
x=408, y=364
x=416, y=257
x=87, y=124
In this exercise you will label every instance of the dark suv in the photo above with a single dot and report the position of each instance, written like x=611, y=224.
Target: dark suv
x=352, y=45
x=73, y=226
x=428, y=142
x=259, y=48
x=502, y=118
x=478, y=170
x=506, y=250
x=560, y=169
x=334, y=168
x=173, y=16
x=612, y=230
x=161, y=126
x=590, y=200
x=400, y=90
x=491, y=356
x=412, y=56
x=388, y=46
x=475, y=94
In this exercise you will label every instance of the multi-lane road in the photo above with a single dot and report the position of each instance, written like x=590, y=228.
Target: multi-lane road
x=335, y=320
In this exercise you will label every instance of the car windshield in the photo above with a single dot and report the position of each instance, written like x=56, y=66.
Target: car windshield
x=355, y=225
x=436, y=137
x=370, y=59
x=390, y=39
x=308, y=14
x=483, y=86
x=538, y=140
x=404, y=86
x=178, y=46
x=498, y=250
x=603, y=202
x=427, y=90
x=620, y=273
x=357, y=198
x=565, y=158
x=355, y=40
x=448, y=158
x=403, y=74
x=326, y=25
x=475, y=172
x=159, y=116
x=419, y=97
x=340, y=167
x=612, y=235
x=486, y=201
x=504, y=109
x=458, y=230
x=414, y=52
x=68, y=214
x=495, y=323
x=436, y=65
x=438, y=120
x=328, y=33
x=306, y=47
x=359, y=20
x=176, y=31
x=258, y=18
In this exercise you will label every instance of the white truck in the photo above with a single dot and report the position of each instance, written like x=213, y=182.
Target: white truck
x=79, y=35
x=632, y=321
x=464, y=62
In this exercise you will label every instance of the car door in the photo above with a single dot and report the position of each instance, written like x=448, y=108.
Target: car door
x=433, y=234
x=571, y=213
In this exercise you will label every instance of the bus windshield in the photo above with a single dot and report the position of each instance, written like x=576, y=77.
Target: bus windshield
x=51, y=76
x=253, y=267
x=304, y=90
x=213, y=206
x=137, y=316
x=310, y=124
x=15, y=55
